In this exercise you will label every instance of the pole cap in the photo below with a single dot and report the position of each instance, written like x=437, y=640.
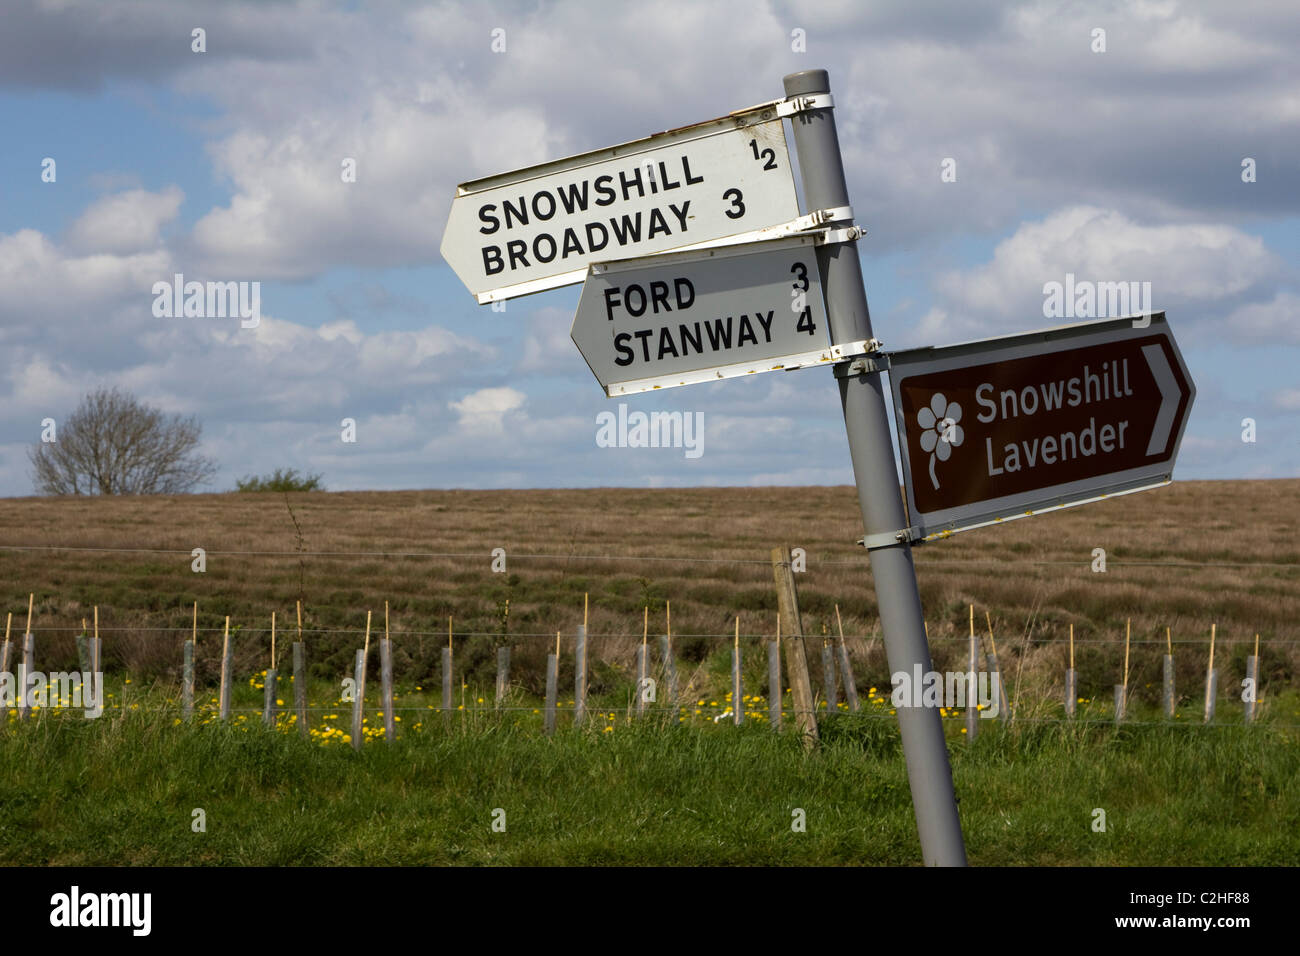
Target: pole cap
x=807, y=82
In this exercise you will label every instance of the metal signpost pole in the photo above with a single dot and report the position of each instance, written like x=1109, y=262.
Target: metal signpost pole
x=871, y=448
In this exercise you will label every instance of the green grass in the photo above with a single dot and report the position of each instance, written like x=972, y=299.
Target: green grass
x=121, y=790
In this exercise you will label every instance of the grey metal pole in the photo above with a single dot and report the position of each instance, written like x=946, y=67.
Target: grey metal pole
x=1169, y=686
x=737, y=688
x=29, y=658
x=268, y=698
x=1252, y=674
x=871, y=448
x=358, y=704
x=1004, y=708
x=300, y=686
x=552, y=680
x=670, y=668
x=446, y=685
x=187, y=680
x=972, y=678
x=503, y=675
x=774, y=684
x=580, y=677
x=642, y=675
x=386, y=687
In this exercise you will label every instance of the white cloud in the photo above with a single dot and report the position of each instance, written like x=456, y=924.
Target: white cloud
x=1196, y=264
x=125, y=222
x=1274, y=321
x=486, y=409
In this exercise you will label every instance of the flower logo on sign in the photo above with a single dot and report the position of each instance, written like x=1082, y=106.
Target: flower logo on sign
x=942, y=433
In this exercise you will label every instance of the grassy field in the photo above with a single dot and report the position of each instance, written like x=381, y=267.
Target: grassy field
x=1180, y=557
x=123, y=790
x=677, y=788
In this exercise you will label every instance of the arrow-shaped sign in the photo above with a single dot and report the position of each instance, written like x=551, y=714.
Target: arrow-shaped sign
x=1008, y=427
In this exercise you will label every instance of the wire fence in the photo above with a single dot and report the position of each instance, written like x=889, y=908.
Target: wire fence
x=922, y=559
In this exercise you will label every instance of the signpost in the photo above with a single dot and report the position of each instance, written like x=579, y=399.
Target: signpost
x=1009, y=427
x=698, y=266
x=540, y=227
x=690, y=317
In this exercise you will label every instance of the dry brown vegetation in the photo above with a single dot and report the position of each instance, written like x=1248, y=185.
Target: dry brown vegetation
x=1179, y=557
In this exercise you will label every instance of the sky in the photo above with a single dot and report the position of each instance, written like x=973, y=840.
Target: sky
x=224, y=164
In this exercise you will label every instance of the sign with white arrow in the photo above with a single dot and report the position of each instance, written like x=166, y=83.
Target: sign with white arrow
x=1008, y=427
x=539, y=228
x=688, y=317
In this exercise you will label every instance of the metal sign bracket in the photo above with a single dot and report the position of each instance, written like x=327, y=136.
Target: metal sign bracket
x=886, y=539
x=874, y=360
x=804, y=104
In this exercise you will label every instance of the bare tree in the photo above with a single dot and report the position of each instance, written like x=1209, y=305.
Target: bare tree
x=115, y=445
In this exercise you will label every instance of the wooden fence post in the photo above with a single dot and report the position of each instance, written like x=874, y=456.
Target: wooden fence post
x=796, y=654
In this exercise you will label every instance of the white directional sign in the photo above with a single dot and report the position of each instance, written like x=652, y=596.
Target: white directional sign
x=1007, y=427
x=539, y=228
x=688, y=317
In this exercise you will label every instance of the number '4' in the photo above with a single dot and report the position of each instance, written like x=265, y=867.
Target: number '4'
x=806, y=323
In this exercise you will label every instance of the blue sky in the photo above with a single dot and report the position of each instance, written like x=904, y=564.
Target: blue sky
x=223, y=165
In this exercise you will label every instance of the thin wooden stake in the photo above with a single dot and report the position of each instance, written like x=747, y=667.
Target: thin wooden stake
x=386, y=681
x=1128, y=636
x=1211, y=680
x=972, y=712
x=1167, y=683
x=365, y=664
x=552, y=688
x=846, y=668
x=224, y=694
x=580, y=670
x=1071, y=681
x=4, y=654
x=272, y=640
x=737, y=689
